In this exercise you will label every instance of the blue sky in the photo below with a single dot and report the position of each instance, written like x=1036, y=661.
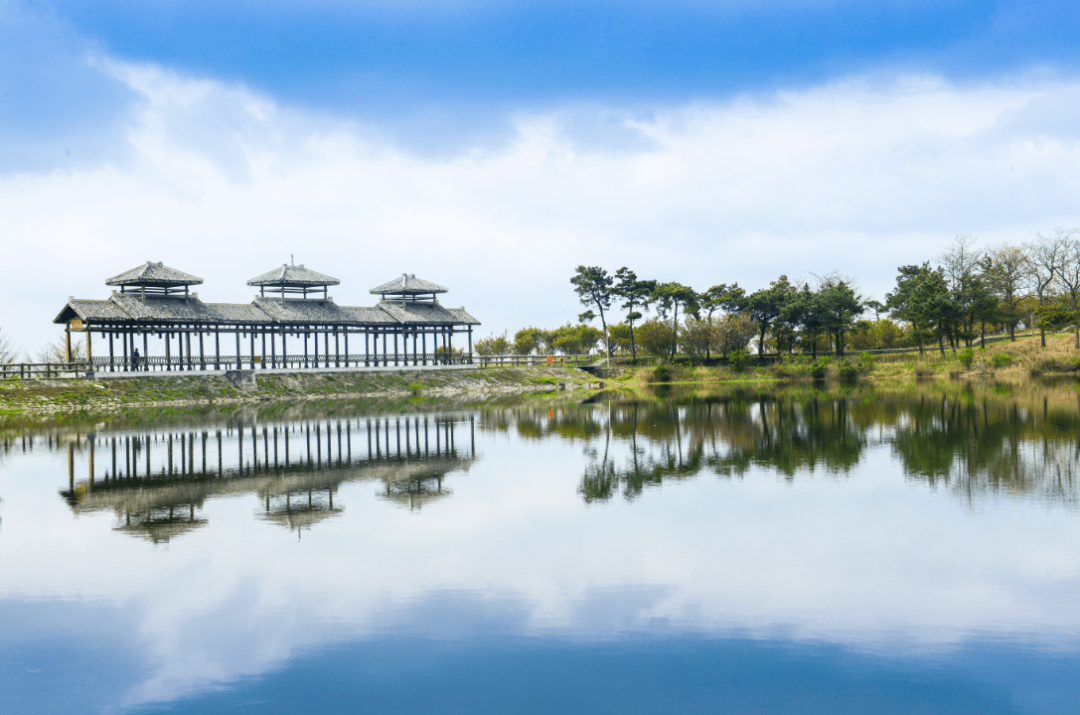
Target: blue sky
x=474, y=86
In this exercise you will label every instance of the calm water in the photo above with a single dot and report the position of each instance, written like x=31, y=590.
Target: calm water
x=825, y=555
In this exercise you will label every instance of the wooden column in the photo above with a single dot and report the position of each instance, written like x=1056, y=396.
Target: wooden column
x=273, y=355
x=305, y=349
x=127, y=363
x=326, y=346
x=470, y=345
x=367, y=347
x=284, y=352
x=187, y=350
x=423, y=344
x=217, y=348
x=337, y=349
x=145, y=349
x=202, y=352
x=346, y=347
x=239, y=365
x=168, y=350
x=89, y=349
x=395, y=348
x=263, y=333
x=251, y=335
x=112, y=367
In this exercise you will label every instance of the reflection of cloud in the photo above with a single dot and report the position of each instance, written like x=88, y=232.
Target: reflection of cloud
x=868, y=562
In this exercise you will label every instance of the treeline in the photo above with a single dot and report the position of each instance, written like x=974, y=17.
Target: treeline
x=956, y=300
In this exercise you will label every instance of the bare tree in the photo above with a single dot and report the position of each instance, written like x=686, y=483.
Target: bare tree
x=1068, y=281
x=1047, y=256
x=1008, y=269
x=8, y=353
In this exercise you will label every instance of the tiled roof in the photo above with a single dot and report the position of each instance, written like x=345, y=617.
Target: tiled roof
x=408, y=285
x=293, y=276
x=417, y=313
x=462, y=317
x=169, y=308
x=302, y=311
x=126, y=307
x=153, y=274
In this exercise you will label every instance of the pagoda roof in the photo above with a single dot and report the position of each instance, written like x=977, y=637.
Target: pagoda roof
x=154, y=274
x=293, y=276
x=409, y=284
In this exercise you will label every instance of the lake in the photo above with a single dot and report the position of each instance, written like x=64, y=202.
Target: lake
x=820, y=552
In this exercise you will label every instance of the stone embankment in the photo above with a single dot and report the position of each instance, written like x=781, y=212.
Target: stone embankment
x=60, y=395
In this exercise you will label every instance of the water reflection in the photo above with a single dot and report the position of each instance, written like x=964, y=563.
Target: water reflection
x=157, y=482
x=971, y=448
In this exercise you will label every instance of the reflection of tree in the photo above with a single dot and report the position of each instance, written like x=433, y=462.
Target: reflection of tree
x=972, y=448
x=990, y=448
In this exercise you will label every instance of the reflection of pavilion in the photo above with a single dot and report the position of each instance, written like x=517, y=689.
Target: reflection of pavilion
x=156, y=483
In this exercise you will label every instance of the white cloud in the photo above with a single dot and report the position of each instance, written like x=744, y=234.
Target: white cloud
x=859, y=176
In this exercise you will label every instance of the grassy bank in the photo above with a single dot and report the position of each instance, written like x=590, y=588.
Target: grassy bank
x=18, y=396
x=1006, y=361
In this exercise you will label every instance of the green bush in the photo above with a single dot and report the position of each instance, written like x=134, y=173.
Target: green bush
x=661, y=373
x=867, y=359
x=415, y=386
x=738, y=359
x=818, y=368
x=683, y=360
x=1001, y=359
x=847, y=370
x=967, y=358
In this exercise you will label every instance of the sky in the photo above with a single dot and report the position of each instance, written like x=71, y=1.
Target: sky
x=492, y=147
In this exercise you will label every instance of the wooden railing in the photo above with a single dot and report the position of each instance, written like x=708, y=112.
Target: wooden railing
x=26, y=370
x=158, y=364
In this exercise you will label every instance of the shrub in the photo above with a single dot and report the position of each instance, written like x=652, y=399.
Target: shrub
x=738, y=358
x=661, y=373
x=415, y=386
x=967, y=358
x=684, y=360
x=923, y=371
x=818, y=368
x=1001, y=359
x=847, y=370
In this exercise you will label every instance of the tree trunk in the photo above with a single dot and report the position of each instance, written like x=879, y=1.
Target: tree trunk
x=941, y=345
x=1042, y=336
x=633, y=346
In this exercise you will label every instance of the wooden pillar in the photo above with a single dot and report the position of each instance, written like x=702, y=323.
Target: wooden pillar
x=217, y=348
x=385, y=353
x=145, y=349
x=284, y=352
x=239, y=365
x=273, y=355
x=326, y=346
x=124, y=337
x=112, y=367
x=346, y=347
x=367, y=347
x=263, y=332
x=89, y=349
x=251, y=335
x=305, y=349
x=337, y=349
x=187, y=349
x=180, y=350
x=470, y=345
x=168, y=350
x=395, y=347
x=67, y=342
x=202, y=354
x=423, y=344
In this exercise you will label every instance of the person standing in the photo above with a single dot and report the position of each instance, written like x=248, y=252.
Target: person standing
x=135, y=360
